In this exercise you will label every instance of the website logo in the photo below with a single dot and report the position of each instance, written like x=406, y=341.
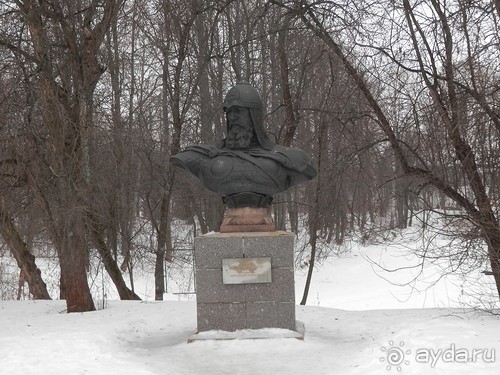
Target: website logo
x=395, y=356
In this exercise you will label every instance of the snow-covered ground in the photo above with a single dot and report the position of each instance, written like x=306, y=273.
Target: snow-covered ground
x=358, y=321
x=150, y=338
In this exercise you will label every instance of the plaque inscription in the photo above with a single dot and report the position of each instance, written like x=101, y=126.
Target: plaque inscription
x=246, y=270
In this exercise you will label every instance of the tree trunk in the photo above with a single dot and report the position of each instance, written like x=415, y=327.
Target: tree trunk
x=162, y=244
x=312, y=242
x=315, y=212
x=493, y=240
x=109, y=262
x=293, y=213
x=291, y=115
x=74, y=278
x=25, y=260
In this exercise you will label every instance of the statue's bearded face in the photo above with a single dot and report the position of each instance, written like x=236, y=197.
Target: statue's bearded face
x=240, y=128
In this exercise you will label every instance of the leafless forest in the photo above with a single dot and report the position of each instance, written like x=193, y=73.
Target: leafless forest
x=397, y=101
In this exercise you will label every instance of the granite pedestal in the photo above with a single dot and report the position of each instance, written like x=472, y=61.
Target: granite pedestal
x=245, y=305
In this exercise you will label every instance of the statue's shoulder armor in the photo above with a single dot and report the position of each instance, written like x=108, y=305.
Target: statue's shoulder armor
x=192, y=158
x=297, y=160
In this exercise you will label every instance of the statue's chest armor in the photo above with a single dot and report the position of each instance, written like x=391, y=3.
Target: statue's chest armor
x=229, y=175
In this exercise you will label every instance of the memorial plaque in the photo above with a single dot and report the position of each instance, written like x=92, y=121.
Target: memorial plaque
x=246, y=270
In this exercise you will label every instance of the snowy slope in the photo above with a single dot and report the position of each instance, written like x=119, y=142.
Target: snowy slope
x=389, y=277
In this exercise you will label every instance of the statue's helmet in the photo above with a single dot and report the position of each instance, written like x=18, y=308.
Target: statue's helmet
x=245, y=95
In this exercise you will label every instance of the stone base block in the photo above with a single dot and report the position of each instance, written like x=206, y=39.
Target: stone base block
x=270, y=314
x=221, y=316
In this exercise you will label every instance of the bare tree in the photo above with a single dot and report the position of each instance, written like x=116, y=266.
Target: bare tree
x=432, y=60
x=62, y=47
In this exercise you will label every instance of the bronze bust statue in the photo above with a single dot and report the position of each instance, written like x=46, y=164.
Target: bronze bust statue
x=246, y=168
